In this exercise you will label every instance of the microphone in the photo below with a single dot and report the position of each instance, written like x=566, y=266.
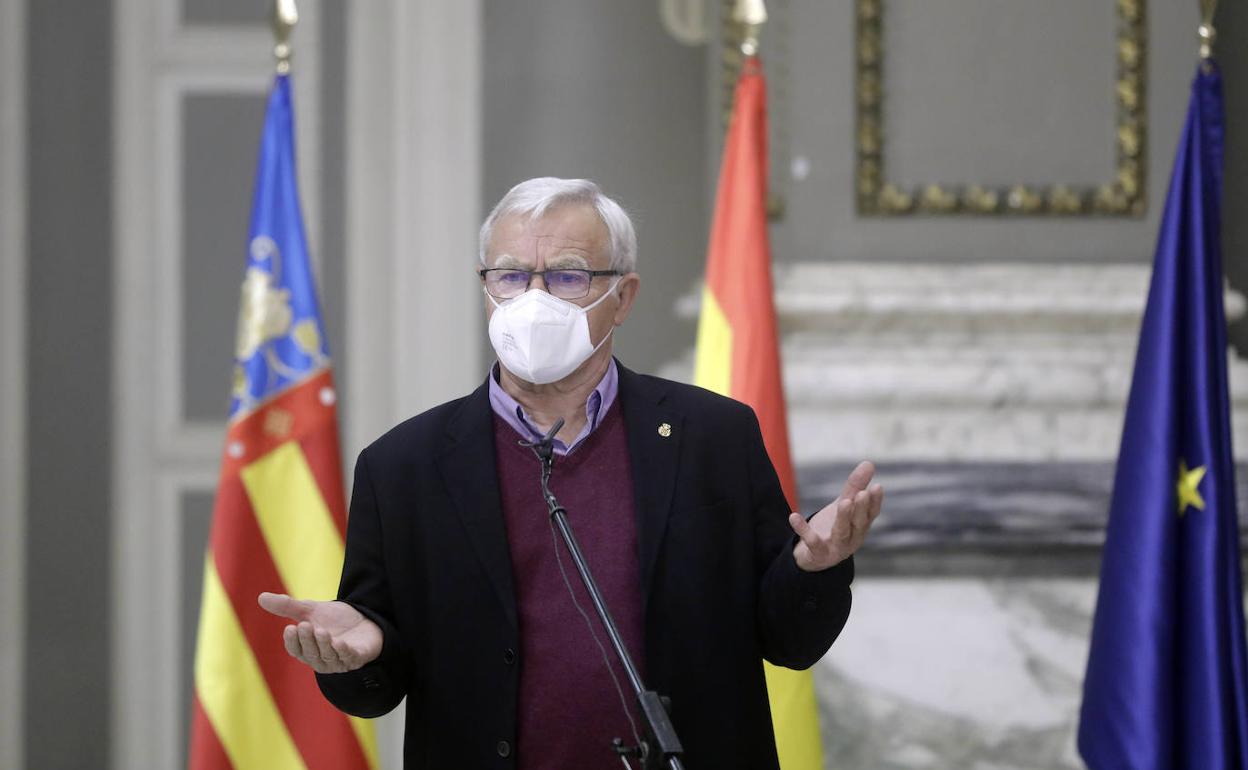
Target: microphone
x=544, y=447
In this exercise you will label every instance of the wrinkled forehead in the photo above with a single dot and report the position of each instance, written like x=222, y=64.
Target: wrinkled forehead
x=565, y=236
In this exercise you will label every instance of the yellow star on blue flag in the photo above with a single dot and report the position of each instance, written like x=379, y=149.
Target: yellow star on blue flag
x=1188, y=487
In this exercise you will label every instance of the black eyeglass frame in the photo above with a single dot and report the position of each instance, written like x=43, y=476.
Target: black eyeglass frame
x=591, y=273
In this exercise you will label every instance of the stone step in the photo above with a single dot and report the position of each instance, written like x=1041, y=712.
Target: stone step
x=931, y=362
x=965, y=434
x=841, y=296
x=849, y=377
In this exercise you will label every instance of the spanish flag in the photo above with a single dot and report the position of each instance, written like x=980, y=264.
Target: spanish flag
x=738, y=355
x=279, y=520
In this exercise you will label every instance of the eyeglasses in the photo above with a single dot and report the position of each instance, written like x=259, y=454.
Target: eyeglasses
x=508, y=283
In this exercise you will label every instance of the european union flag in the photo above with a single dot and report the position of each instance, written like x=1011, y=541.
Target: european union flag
x=281, y=340
x=1167, y=680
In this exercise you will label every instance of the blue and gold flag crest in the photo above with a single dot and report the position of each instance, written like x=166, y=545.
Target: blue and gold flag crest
x=1167, y=678
x=281, y=338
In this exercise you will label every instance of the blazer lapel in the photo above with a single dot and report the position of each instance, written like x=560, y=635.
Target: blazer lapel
x=654, y=438
x=470, y=473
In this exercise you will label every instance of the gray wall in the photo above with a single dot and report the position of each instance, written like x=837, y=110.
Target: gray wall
x=66, y=689
x=1232, y=25
x=948, y=69
x=597, y=89
x=216, y=186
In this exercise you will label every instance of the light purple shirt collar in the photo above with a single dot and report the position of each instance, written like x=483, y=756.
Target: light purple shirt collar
x=596, y=407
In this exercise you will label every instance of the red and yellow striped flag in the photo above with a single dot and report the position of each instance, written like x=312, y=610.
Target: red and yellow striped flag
x=738, y=355
x=280, y=520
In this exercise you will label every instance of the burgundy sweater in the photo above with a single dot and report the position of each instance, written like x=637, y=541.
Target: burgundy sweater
x=569, y=710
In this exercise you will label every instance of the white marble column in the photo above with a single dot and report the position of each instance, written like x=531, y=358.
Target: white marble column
x=413, y=197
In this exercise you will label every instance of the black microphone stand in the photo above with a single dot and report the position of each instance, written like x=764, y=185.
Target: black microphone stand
x=662, y=748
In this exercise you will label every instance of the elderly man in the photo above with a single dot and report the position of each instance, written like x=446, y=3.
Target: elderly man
x=455, y=594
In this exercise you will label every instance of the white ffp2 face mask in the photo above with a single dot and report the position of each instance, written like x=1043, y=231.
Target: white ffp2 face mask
x=541, y=338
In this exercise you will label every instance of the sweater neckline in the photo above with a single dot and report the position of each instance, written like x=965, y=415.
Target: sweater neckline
x=611, y=420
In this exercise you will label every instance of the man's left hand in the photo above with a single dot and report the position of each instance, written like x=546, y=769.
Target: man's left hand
x=837, y=531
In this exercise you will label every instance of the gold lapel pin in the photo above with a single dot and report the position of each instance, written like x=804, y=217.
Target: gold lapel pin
x=665, y=430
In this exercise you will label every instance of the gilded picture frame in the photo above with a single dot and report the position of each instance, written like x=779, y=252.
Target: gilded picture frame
x=1122, y=196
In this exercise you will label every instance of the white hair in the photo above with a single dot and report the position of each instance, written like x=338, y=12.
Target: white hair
x=535, y=197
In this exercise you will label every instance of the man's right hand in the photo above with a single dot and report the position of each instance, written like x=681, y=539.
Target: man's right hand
x=331, y=637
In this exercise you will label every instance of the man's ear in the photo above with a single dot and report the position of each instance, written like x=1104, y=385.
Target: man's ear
x=626, y=290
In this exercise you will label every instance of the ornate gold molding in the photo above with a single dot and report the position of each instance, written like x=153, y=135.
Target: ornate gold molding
x=1124, y=195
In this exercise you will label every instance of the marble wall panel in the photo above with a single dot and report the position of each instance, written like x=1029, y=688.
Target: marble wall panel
x=1002, y=507
x=981, y=672
x=975, y=672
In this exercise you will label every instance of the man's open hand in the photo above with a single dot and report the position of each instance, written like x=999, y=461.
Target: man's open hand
x=331, y=637
x=836, y=531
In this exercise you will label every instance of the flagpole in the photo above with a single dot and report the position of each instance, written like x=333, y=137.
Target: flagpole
x=285, y=16
x=751, y=15
x=1206, y=31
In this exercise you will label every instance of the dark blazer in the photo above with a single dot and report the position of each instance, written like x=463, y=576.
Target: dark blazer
x=427, y=560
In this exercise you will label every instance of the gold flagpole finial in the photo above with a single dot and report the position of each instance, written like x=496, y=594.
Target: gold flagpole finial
x=751, y=15
x=285, y=16
x=1206, y=31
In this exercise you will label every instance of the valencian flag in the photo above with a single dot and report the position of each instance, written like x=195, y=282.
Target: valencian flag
x=738, y=355
x=1167, y=680
x=279, y=520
